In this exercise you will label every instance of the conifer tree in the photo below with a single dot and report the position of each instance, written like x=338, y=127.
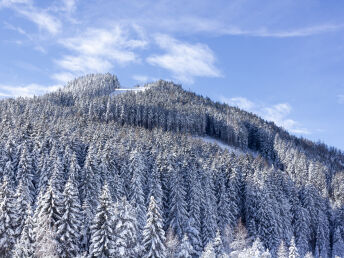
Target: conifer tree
x=218, y=246
x=338, y=244
x=46, y=217
x=22, y=206
x=293, y=252
x=153, y=234
x=102, y=228
x=25, y=246
x=126, y=231
x=26, y=172
x=177, y=213
x=137, y=197
x=7, y=219
x=69, y=227
x=185, y=249
x=282, y=250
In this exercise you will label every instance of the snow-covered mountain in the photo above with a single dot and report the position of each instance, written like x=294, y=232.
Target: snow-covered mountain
x=97, y=170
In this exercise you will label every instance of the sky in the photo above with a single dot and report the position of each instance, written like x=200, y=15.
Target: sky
x=283, y=60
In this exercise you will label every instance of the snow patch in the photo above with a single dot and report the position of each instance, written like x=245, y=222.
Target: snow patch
x=124, y=90
x=223, y=145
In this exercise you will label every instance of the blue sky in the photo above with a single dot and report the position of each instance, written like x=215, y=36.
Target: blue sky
x=283, y=60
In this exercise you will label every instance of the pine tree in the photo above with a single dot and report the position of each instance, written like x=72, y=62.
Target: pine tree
x=22, y=206
x=178, y=216
x=153, y=234
x=171, y=243
x=194, y=237
x=7, y=219
x=282, y=250
x=218, y=246
x=209, y=251
x=26, y=172
x=137, y=197
x=309, y=255
x=47, y=216
x=338, y=244
x=69, y=227
x=25, y=246
x=293, y=251
x=239, y=242
x=185, y=249
x=102, y=232
x=126, y=231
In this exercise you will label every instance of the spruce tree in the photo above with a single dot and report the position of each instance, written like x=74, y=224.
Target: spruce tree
x=25, y=246
x=282, y=250
x=7, y=219
x=293, y=252
x=185, y=249
x=126, y=231
x=69, y=227
x=153, y=234
x=102, y=243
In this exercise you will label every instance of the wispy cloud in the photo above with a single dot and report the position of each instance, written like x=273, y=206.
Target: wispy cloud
x=298, y=32
x=278, y=113
x=184, y=60
x=240, y=102
x=42, y=18
x=97, y=50
x=25, y=90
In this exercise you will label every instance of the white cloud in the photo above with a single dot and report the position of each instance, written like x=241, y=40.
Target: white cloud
x=26, y=90
x=239, y=102
x=299, y=32
x=42, y=18
x=97, y=50
x=340, y=99
x=184, y=60
x=63, y=77
x=197, y=24
x=278, y=113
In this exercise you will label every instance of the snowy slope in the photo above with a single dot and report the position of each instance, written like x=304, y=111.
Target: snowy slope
x=222, y=145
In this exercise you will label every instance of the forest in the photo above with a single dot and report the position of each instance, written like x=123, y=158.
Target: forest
x=89, y=173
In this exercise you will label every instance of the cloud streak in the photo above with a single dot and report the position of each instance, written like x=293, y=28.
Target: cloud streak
x=42, y=18
x=184, y=60
x=29, y=90
x=278, y=113
x=97, y=50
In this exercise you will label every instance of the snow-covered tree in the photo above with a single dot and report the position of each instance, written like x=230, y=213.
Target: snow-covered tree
x=69, y=227
x=25, y=246
x=282, y=250
x=185, y=249
x=126, y=231
x=209, y=251
x=7, y=219
x=153, y=234
x=102, y=228
x=218, y=246
x=293, y=251
x=338, y=244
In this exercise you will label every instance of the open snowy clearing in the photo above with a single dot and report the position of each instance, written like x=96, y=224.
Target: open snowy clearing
x=222, y=145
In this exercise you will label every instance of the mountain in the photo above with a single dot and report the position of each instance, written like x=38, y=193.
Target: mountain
x=94, y=170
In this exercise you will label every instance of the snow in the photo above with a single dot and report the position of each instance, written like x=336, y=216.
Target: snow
x=137, y=89
x=223, y=145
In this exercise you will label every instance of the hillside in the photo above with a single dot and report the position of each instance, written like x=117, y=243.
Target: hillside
x=95, y=171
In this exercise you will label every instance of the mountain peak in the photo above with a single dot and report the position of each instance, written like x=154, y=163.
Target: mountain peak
x=93, y=85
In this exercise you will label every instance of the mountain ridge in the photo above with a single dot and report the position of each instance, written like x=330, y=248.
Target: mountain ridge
x=116, y=152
